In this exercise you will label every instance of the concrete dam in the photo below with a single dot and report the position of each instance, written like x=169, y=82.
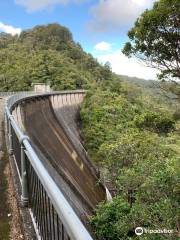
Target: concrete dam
x=51, y=123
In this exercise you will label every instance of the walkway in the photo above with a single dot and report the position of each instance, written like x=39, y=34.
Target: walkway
x=9, y=215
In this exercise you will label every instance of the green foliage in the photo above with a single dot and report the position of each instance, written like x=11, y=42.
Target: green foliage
x=107, y=218
x=133, y=137
x=176, y=114
x=52, y=36
x=155, y=121
x=155, y=206
x=110, y=113
x=129, y=150
x=47, y=54
x=155, y=37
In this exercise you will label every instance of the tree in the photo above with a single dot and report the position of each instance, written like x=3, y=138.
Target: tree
x=52, y=56
x=133, y=137
x=156, y=122
x=155, y=38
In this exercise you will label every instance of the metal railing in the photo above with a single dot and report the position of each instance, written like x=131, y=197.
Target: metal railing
x=7, y=94
x=54, y=217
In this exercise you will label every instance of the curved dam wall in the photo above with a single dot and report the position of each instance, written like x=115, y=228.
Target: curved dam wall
x=50, y=121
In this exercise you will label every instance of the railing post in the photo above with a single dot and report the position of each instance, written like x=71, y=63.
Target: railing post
x=24, y=194
x=6, y=120
x=10, y=137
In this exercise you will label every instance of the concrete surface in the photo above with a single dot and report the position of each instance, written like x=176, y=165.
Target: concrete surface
x=51, y=124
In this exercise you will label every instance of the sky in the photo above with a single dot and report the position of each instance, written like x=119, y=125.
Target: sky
x=100, y=26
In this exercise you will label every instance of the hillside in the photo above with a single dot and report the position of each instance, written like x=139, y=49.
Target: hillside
x=47, y=54
x=132, y=132
x=165, y=91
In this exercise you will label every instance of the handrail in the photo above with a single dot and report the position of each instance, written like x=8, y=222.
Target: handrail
x=70, y=220
x=28, y=95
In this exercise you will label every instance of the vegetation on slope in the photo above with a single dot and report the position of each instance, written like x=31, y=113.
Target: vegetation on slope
x=47, y=54
x=134, y=139
x=134, y=136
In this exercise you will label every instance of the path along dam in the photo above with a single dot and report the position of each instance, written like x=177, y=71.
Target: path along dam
x=60, y=185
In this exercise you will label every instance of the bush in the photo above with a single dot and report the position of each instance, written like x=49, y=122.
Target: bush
x=155, y=206
x=126, y=136
x=176, y=115
x=157, y=122
x=107, y=219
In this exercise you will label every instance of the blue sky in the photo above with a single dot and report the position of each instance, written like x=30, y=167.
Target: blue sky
x=100, y=26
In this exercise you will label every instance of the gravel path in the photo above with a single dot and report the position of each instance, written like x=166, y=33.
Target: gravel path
x=10, y=224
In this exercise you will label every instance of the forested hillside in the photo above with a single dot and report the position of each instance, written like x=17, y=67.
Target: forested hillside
x=131, y=129
x=47, y=54
x=134, y=138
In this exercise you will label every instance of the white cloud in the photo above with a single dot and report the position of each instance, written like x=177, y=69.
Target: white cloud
x=36, y=5
x=109, y=15
x=127, y=66
x=9, y=29
x=103, y=46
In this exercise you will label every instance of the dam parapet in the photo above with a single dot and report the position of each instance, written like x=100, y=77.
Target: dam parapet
x=59, y=183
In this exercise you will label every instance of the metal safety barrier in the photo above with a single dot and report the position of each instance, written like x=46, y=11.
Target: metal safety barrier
x=54, y=217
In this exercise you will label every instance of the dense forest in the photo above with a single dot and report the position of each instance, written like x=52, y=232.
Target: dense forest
x=130, y=128
x=47, y=54
x=134, y=138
